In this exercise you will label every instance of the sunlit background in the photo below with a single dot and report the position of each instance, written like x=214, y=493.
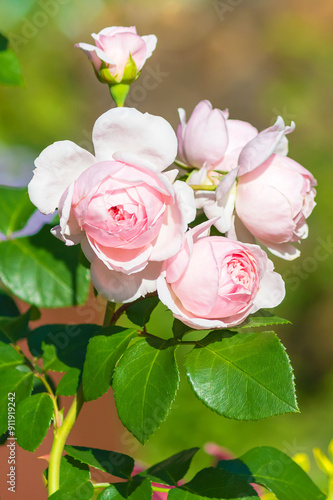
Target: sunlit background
x=260, y=59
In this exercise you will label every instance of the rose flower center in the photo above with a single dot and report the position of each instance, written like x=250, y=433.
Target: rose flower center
x=238, y=273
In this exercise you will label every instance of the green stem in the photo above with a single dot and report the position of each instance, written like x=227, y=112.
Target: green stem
x=109, y=311
x=163, y=490
x=202, y=187
x=116, y=315
x=330, y=488
x=101, y=485
x=60, y=437
x=119, y=93
x=57, y=415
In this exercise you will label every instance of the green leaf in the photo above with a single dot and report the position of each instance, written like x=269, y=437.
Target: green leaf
x=10, y=71
x=102, y=355
x=242, y=376
x=276, y=471
x=62, y=346
x=38, y=385
x=16, y=381
x=139, y=312
x=9, y=357
x=173, y=469
x=74, y=481
x=114, y=463
x=132, y=490
x=69, y=383
x=210, y=483
x=262, y=318
x=15, y=208
x=41, y=270
x=33, y=418
x=145, y=383
x=18, y=327
x=179, y=329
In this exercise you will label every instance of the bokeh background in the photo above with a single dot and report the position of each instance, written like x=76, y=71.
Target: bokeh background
x=259, y=58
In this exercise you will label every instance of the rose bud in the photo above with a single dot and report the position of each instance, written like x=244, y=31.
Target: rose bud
x=215, y=282
x=118, y=57
x=127, y=214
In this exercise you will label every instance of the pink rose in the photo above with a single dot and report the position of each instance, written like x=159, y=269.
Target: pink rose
x=266, y=195
x=116, y=50
x=273, y=202
x=127, y=214
x=215, y=282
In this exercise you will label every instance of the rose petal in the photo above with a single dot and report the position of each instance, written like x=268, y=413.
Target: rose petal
x=263, y=146
x=56, y=168
x=128, y=130
x=123, y=288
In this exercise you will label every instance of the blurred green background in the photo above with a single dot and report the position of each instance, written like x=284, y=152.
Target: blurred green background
x=259, y=58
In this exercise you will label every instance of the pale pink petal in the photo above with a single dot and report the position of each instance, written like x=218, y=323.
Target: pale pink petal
x=123, y=288
x=185, y=200
x=239, y=232
x=150, y=41
x=128, y=130
x=271, y=292
x=226, y=183
x=266, y=212
x=168, y=299
x=56, y=168
x=171, y=175
x=239, y=134
x=69, y=230
x=171, y=235
x=114, y=30
x=177, y=264
x=285, y=251
x=181, y=132
x=177, y=217
x=120, y=259
x=95, y=54
x=120, y=47
x=206, y=136
x=263, y=146
x=222, y=209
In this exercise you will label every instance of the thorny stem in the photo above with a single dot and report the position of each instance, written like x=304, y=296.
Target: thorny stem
x=62, y=432
x=57, y=414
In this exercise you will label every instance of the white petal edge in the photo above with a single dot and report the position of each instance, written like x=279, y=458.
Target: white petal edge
x=56, y=168
x=126, y=130
x=123, y=288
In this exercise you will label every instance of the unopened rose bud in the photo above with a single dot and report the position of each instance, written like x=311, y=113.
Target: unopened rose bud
x=118, y=56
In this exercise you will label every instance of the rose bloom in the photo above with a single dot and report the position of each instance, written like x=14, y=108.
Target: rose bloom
x=115, y=51
x=128, y=215
x=273, y=202
x=265, y=196
x=215, y=282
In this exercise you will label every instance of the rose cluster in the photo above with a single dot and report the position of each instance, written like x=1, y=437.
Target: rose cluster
x=131, y=215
